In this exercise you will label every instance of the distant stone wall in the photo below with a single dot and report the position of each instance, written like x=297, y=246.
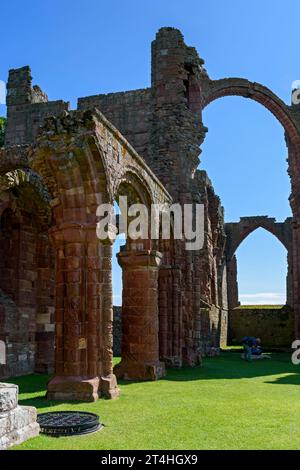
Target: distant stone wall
x=128, y=111
x=117, y=331
x=275, y=326
x=27, y=107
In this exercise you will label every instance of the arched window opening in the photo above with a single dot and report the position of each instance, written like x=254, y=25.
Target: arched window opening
x=117, y=292
x=244, y=154
x=261, y=270
x=262, y=287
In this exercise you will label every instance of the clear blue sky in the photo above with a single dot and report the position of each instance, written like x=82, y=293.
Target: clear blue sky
x=82, y=47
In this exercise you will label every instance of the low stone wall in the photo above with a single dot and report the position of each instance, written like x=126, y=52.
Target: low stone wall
x=274, y=325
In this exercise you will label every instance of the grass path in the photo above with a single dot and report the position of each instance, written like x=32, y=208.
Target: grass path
x=225, y=404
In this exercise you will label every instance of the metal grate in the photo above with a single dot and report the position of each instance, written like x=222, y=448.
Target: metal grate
x=68, y=423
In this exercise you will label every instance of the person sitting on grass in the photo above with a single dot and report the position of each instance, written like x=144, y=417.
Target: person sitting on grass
x=256, y=350
x=249, y=342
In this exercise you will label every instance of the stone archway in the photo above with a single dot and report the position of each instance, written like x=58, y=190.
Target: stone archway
x=140, y=261
x=83, y=160
x=275, y=324
x=26, y=273
x=210, y=90
x=236, y=232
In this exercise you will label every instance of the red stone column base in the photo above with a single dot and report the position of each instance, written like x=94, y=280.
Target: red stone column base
x=173, y=362
x=109, y=387
x=133, y=370
x=192, y=359
x=73, y=388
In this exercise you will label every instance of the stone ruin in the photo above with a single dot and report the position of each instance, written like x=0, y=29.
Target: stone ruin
x=17, y=423
x=58, y=165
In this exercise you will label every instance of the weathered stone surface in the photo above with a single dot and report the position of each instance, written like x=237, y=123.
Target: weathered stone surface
x=17, y=426
x=17, y=423
x=117, y=331
x=140, y=320
x=54, y=271
x=64, y=388
x=274, y=325
x=8, y=397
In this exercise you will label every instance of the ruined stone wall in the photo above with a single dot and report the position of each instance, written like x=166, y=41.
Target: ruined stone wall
x=164, y=125
x=275, y=326
x=27, y=297
x=45, y=306
x=175, y=305
x=176, y=135
x=14, y=332
x=213, y=277
x=129, y=112
x=27, y=108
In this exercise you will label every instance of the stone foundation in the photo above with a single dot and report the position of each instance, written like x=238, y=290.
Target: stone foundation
x=64, y=388
x=17, y=423
x=133, y=370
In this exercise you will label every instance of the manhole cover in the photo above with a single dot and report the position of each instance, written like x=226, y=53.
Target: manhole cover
x=68, y=423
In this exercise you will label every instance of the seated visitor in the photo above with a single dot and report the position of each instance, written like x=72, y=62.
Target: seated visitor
x=250, y=343
x=256, y=350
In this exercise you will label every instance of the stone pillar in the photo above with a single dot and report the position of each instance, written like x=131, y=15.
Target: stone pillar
x=296, y=272
x=17, y=423
x=140, y=344
x=290, y=279
x=108, y=383
x=232, y=284
x=80, y=318
x=223, y=293
x=170, y=321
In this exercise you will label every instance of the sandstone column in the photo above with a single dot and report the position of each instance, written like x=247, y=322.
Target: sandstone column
x=80, y=321
x=140, y=345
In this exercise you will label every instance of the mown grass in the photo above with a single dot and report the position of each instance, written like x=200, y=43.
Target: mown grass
x=260, y=307
x=225, y=404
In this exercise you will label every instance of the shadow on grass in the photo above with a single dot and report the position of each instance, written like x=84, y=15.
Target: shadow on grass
x=231, y=366
x=33, y=383
x=42, y=402
x=227, y=366
x=291, y=379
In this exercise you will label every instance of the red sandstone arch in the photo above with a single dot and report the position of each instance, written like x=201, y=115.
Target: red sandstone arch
x=135, y=182
x=249, y=231
x=139, y=262
x=241, y=87
x=215, y=89
x=237, y=232
x=83, y=160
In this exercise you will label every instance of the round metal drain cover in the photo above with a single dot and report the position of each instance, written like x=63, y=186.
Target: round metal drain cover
x=68, y=423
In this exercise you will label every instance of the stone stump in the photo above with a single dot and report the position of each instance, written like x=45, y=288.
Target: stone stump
x=17, y=423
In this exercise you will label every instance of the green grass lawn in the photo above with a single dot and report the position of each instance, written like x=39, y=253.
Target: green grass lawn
x=225, y=404
x=260, y=307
